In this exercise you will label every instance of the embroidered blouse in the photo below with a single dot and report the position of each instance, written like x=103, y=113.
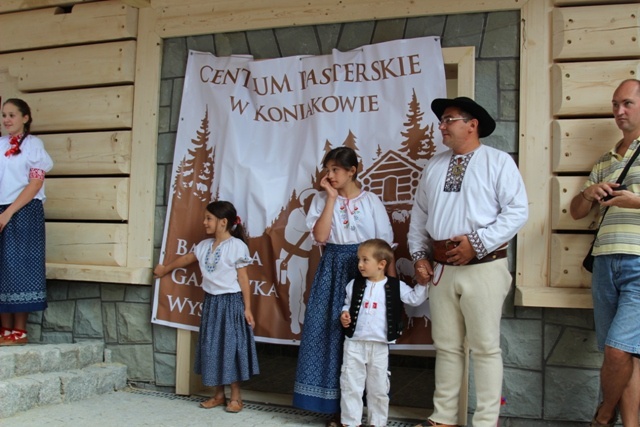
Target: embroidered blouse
x=219, y=267
x=16, y=170
x=354, y=220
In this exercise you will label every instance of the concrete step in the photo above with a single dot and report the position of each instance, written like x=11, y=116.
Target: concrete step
x=37, y=375
x=29, y=359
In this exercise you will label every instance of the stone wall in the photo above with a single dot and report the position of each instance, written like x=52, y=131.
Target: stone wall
x=551, y=364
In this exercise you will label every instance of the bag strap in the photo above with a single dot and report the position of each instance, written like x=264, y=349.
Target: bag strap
x=621, y=178
x=629, y=163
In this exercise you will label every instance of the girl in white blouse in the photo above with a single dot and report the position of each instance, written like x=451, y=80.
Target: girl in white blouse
x=23, y=164
x=226, y=352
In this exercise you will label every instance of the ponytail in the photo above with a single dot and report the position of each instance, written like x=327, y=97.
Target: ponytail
x=237, y=229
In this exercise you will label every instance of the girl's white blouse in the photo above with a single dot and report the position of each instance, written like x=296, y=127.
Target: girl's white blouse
x=354, y=220
x=15, y=169
x=219, y=268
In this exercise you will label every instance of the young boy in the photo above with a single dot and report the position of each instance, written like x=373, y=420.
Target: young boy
x=372, y=318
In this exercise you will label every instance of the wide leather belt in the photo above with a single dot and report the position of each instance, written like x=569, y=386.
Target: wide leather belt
x=441, y=247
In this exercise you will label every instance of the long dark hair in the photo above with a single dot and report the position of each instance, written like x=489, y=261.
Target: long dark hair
x=221, y=210
x=345, y=157
x=24, y=109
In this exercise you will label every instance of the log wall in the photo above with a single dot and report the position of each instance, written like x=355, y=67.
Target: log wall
x=594, y=48
x=74, y=62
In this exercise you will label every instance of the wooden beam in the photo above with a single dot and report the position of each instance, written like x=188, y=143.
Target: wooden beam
x=564, y=188
x=579, y=143
x=22, y=5
x=585, y=88
x=567, y=253
x=88, y=198
x=137, y=3
x=218, y=16
x=535, y=296
x=144, y=143
x=89, y=153
x=99, y=64
x=184, y=361
x=532, y=254
x=87, y=243
x=461, y=63
x=589, y=2
x=99, y=273
x=85, y=23
x=82, y=109
x=607, y=31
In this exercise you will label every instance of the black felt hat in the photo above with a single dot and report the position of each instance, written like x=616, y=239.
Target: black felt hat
x=486, y=123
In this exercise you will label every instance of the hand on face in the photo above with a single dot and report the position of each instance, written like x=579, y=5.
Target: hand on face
x=325, y=184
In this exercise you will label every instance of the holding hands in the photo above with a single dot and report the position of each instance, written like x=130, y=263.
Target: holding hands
x=424, y=272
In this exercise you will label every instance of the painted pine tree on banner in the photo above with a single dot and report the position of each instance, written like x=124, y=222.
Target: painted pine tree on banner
x=315, y=179
x=418, y=143
x=350, y=141
x=196, y=169
x=191, y=194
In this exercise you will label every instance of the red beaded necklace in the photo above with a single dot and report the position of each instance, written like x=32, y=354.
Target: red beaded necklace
x=15, y=146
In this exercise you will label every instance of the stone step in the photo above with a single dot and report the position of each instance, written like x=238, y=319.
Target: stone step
x=17, y=361
x=21, y=393
x=46, y=374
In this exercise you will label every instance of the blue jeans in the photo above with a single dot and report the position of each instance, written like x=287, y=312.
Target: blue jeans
x=615, y=287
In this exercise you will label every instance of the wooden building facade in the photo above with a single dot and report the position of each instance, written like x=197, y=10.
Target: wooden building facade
x=91, y=72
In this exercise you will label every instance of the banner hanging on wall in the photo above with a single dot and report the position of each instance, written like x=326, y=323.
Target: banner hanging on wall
x=254, y=132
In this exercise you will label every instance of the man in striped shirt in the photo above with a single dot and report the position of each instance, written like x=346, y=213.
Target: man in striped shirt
x=615, y=283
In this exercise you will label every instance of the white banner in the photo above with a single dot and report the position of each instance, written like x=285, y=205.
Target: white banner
x=254, y=132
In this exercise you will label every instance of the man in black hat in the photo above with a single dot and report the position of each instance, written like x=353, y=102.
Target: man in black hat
x=470, y=203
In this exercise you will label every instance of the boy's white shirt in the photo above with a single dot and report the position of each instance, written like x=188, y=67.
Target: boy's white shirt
x=372, y=319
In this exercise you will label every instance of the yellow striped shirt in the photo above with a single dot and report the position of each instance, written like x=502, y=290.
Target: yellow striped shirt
x=620, y=231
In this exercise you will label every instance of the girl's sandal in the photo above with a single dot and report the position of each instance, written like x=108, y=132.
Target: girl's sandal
x=213, y=402
x=234, y=406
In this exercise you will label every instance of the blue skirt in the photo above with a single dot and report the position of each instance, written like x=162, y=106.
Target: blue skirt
x=317, y=385
x=226, y=351
x=23, y=275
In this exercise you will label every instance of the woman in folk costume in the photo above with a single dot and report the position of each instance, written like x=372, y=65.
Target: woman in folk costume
x=23, y=164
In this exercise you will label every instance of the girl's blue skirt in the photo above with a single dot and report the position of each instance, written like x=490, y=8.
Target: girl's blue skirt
x=226, y=350
x=23, y=275
x=317, y=385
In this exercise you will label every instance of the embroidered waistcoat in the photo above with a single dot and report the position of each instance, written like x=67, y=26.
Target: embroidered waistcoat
x=393, y=303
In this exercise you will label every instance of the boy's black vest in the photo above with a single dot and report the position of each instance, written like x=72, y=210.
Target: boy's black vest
x=393, y=302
